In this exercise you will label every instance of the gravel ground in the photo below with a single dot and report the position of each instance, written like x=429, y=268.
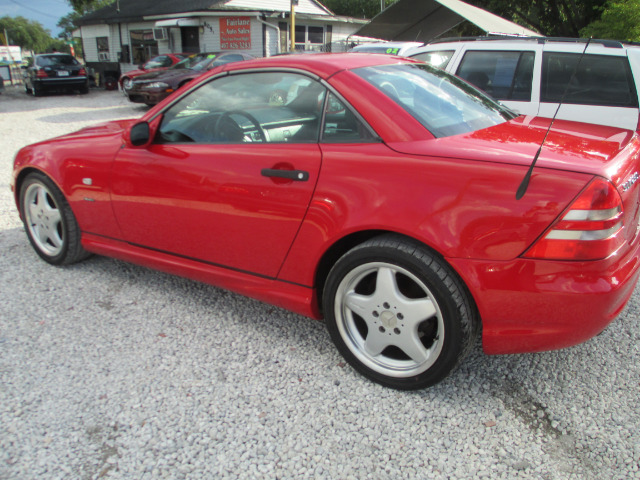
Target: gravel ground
x=109, y=370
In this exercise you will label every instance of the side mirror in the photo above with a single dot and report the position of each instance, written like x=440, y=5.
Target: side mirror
x=139, y=134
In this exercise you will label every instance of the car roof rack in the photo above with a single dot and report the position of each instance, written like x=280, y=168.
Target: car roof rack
x=518, y=38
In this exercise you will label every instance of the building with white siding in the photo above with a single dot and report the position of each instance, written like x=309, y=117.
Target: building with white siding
x=119, y=37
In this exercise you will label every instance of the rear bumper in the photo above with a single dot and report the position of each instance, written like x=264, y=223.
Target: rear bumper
x=77, y=82
x=534, y=305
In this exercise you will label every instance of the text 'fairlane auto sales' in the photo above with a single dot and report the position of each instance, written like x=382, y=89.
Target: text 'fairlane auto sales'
x=235, y=33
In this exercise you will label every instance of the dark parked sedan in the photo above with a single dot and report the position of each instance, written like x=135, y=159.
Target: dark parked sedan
x=156, y=86
x=53, y=71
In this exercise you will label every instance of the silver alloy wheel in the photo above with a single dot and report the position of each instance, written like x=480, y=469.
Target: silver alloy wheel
x=127, y=83
x=393, y=325
x=43, y=219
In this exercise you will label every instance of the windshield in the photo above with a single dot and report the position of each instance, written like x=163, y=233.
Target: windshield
x=198, y=62
x=444, y=104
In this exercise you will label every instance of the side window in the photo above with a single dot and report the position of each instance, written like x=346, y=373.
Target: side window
x=342, y=126
x=599, y=80
x=437, y=59
x=505, y=75
x=247, y=108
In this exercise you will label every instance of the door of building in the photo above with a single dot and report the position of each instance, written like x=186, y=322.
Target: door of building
x=190, y=39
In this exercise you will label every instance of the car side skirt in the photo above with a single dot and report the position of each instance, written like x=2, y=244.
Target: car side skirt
x=297, y=298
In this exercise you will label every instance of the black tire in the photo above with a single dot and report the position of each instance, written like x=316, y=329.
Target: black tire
x=27, y=89
x=37, y=90
x=51, y=227
x=415, y=319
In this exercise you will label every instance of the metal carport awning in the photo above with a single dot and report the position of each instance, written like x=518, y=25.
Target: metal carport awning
x=425, y=20
x=179, y=22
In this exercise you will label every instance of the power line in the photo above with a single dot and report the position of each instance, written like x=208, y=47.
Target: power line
x=33, y=9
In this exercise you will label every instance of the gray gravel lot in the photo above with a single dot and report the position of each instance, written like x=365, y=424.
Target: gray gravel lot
x=109, y=370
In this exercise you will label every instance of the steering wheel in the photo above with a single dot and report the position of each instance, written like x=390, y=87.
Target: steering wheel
x=226, y=116
x=388, y=87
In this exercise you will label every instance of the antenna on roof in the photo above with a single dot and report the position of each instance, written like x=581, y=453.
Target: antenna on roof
x=522, y=189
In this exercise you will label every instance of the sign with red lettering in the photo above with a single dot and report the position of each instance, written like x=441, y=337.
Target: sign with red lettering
x=235, y=33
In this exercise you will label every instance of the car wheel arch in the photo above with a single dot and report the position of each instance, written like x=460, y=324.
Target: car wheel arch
x=23, y=174
x=346, y=243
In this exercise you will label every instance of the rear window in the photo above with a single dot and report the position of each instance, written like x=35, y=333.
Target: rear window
x=438, y=59
x=444, y=104
x=53, y=60
x=599, y=80
x=505, y=75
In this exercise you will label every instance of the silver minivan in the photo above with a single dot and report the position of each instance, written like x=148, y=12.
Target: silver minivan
x=531, y=75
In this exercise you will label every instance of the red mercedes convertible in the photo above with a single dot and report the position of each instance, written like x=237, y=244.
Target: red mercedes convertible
x=376, y=192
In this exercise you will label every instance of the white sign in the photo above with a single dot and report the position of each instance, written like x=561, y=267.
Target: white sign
x=12, y=53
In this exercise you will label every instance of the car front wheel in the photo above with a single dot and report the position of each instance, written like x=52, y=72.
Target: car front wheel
x=50, y=224
x=398, y=313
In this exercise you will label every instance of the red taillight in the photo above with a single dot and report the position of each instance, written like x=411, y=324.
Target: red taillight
x=590, y=229
x=82, y=71
x=41, y=73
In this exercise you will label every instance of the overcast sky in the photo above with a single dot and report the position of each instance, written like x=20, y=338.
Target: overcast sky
x=47, y=12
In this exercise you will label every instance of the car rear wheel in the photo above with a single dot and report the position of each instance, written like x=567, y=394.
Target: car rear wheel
x=50, y=224
x=398, y=313
x=36, y=90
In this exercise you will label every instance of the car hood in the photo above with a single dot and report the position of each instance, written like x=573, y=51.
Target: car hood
x=571, y=146
x=101, y=129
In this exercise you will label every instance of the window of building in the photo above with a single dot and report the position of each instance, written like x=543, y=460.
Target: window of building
x=143, y=46
x=309, y=38
x=102, y=43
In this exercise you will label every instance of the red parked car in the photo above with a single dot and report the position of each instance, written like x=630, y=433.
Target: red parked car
x=160, y=62
x=375, y=192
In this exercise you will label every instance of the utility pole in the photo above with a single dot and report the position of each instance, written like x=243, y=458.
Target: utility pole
x=292, y=18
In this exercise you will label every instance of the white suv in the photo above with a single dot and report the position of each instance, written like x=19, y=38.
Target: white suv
x=530, y=75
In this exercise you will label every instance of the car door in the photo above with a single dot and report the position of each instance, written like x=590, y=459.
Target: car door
x=230, y=174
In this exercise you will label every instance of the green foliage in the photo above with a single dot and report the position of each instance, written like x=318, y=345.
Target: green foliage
x=85, y=6
x=28, y=34
x=620, y=20
x=356, y=8
x=67, y=27
x=549, y=17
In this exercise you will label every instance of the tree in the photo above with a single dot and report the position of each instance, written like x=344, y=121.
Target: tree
x=68, y=26
x=28, y=34
x=356, y=8
x=83, y=7
x=620, y=20
x=555, y=18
